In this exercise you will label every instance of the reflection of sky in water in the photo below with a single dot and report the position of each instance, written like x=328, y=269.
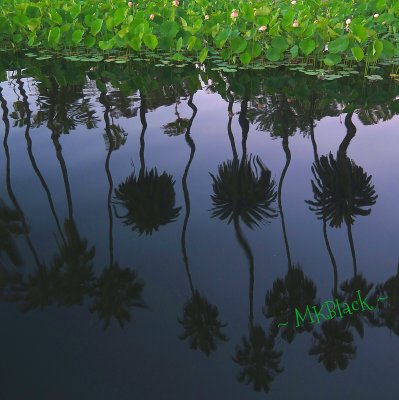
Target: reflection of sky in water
x=63, y=353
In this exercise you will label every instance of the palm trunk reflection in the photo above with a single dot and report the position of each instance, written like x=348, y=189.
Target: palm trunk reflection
x=200, y=322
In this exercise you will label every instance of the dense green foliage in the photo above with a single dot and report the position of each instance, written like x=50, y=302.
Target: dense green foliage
x=241, y=31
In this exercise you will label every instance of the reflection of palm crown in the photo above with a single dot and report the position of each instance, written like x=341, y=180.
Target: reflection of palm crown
x=10, y=226
x=72, y=267
x=349, y=290
x=115, y=292
x=240, y=191
x=388, y=311
x=293, y=292
x=334, y=345
x=115, y=137
x=149, y=200
x=375, y=113
x=258, y=359
x=177, y=127
x=277, y=116
x=34, y=292
x=342, y=190
x=201, y=324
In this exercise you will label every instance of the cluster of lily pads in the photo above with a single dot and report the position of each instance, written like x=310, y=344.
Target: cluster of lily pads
x=318, y=32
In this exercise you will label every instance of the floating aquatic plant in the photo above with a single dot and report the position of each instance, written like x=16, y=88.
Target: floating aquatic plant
x=316, y=32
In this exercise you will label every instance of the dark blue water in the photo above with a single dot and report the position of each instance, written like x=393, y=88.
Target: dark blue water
x=141, y=264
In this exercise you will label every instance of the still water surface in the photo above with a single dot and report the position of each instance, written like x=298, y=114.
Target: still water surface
x=157, y=225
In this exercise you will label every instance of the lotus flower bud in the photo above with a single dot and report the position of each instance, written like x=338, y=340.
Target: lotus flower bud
x=234, y=14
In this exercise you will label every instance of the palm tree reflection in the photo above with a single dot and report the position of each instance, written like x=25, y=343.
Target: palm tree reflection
x=257, y=357
x=73, y=267
x=202, y=327
x=37, y=290
x=388, y=307
x=294, y=291
x=313, y=111
x=117, y=290
x=149, y=198
x=70, y=279
x=259, y=361
x=10, y=191
x=177, y=127
x=334, y=345
x=349, y=290
x=244, y=191
x=342, y=190
x=10, y=226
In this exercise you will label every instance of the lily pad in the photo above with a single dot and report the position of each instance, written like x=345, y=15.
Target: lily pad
x=374, y=77
x=44, y=57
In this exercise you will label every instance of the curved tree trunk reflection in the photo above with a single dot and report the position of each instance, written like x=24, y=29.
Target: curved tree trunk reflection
x=111, y=145
x=229, y=130
x=55, y=136
x=279, y=196
x=8, y=176
x=325, y=236
x=143, y=110
x=342, y=155
x=33, y=161
x=191, y=144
